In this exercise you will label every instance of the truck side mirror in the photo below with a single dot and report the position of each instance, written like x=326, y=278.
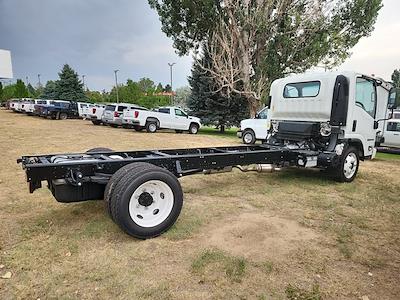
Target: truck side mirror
x=394, y=98
x=257, y=116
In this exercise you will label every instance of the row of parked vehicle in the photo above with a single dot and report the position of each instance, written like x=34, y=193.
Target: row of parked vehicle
x=125, y=115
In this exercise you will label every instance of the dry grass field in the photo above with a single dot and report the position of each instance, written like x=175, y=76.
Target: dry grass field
x=292, y=234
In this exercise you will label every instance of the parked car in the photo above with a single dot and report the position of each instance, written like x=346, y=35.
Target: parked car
x=163, y=118
x=392, y=134
x=84, y=109
x=252, y=130
x=95, y=113
x=113, y=113
x=60, y=110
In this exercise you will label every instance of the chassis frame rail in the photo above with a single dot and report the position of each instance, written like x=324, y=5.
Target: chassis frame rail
x=98, y=167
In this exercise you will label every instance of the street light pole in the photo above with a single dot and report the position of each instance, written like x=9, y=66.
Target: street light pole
x=27, y=81
x=38, y=76
x=116, y=83
x=172, y=91
x=83, y=81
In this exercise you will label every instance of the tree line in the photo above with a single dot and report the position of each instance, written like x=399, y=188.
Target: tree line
x=69, y=87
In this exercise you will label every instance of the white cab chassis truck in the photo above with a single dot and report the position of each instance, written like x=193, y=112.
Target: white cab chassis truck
x=326, y=121
x=335, y=114
x=163, y=118
x=252, y=130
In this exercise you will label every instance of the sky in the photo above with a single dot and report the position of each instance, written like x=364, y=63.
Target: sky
x=97, y=37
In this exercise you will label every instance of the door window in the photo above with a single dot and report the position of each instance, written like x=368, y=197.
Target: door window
x=366, y=96
x=393, y=126
x=179, y=113
x=263, y=114
x=164, y=110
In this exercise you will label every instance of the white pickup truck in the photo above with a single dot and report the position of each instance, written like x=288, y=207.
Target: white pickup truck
x=95, y=113
x=252, y=130
x=164, y=118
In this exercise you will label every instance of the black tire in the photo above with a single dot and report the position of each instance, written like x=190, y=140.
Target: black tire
x=138, y=128
x=193, y=128
x=121, y=173
x=248, y=137
x=178, y=131
x=126, y=187
x=151, y=126
x=96, y=122
x=114, y=125
x=99, y=149
x=63, y=116
x=347, y=170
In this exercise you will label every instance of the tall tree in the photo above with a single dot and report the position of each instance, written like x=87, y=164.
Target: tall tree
x=146, y=85
x=214, y=108
x=159, y=88
x=50, y=90
x=182, y=96
x=20, y=89
x=31, y=91
x=69, y=87
x=253, y=42
x=396, y=78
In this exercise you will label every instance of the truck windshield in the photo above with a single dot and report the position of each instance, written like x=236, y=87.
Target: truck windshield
x=110, y=107
x=263, y=114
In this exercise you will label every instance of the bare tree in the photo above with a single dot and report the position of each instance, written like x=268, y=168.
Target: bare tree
x=256, y=41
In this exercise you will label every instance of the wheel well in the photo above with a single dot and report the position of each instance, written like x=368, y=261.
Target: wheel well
x=153, y=120
x=194, y=124
x=249, y=129
x=358, y=145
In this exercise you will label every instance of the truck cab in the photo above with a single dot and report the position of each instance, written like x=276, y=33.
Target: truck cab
x=336, y=114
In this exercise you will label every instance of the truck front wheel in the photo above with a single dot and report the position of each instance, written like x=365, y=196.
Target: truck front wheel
x=146, y=201
x=63, y=116
x=348, y=165
x=193, y=128
x=249, y=137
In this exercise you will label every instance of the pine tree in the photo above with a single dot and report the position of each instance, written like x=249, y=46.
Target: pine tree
x=50, y=90
x=1, y=92
x=213, y=107
x=69, y=87
x=20, y=89
x=31, y=91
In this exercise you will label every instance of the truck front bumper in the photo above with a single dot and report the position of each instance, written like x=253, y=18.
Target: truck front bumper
x=239, y=134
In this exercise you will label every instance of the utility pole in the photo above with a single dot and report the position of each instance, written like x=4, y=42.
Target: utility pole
x=27, y=81
x=38, y=76
x=116, y=83
x=172, y=91
x=83, y=82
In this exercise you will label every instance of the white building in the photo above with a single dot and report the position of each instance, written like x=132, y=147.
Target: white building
x=5, y=65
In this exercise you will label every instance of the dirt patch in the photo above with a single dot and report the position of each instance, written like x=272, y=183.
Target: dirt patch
x=260, y=237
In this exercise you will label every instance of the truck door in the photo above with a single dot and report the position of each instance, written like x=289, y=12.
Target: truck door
x=181, y=120
x=364, y=113
x=392, y=134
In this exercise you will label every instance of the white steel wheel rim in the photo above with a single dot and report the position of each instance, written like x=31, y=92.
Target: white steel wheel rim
x=152, y=127
x=248, y=138
x=147, y=214
x=350, y=165
x=193, y=129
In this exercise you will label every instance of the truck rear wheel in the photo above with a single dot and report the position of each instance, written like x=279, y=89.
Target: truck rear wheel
x=138, y=128
x=348, y=166
x=151, y=126
x=96, y=122
x=146, y=201
x=63, y=116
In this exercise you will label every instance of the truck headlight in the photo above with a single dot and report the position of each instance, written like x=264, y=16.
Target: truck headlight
x=275, y=126
x=326, y=129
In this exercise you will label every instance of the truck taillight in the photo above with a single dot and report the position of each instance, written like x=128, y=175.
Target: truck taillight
x=116, y=114
x=136, y=113
x=94, y=110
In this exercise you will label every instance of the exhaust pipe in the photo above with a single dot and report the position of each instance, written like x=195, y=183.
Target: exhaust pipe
x=260, y=168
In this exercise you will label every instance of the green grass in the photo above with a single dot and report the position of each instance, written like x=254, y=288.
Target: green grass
x=387, y=156
x=233, y=267
x=229, y=132
x=296, y=293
